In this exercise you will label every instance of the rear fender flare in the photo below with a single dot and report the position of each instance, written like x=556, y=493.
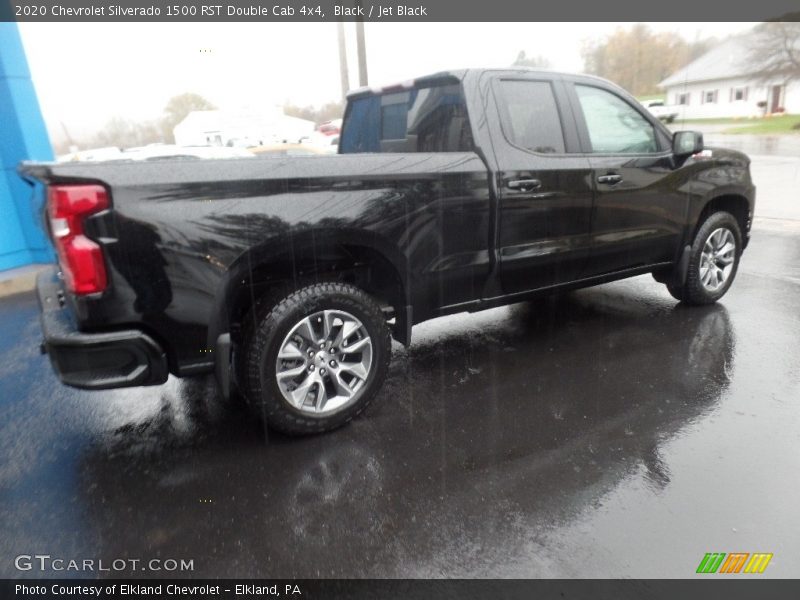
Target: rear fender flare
x=285, y=247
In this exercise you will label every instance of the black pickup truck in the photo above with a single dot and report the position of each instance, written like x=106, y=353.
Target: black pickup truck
x=455, y=192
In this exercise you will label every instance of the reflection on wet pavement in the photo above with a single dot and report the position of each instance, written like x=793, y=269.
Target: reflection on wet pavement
x=608, y=432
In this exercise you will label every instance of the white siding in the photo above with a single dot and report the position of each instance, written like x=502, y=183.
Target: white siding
x=218, y=127
x=187, y=135
x=725, y=104
x=792, y=98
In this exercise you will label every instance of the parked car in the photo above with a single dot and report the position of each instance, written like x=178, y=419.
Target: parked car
x=460, y=191
x=661, y=111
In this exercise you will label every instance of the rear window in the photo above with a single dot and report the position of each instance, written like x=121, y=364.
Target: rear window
x=425, y=119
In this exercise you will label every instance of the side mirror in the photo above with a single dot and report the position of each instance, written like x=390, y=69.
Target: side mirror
x=686, y=143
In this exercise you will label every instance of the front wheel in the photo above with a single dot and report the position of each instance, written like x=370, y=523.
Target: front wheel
x=713, y=261
x=315, y=360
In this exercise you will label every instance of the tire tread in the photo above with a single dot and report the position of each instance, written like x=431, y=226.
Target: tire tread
x=693, y=292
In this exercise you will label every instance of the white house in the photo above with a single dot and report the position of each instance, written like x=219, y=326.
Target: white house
x=722, y=83
x=240, y=127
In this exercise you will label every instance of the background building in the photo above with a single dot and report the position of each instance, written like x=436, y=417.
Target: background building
x=722, y=83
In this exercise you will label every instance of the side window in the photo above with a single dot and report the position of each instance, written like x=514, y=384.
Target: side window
x=394, y=115
x=614, y=125
x=529, y=116
x=362, y=126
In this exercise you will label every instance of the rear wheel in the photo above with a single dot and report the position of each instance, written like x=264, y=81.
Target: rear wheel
x=315, y=359
x=713, y=261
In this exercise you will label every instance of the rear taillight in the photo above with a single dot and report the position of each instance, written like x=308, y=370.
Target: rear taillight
x=81, y=258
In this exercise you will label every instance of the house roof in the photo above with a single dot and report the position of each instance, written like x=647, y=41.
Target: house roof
x=727, y=60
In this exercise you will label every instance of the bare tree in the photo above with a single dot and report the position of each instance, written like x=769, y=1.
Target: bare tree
x=326, y=112
x=774, y=51
x=124, y=133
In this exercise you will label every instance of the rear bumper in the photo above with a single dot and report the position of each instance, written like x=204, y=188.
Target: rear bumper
x=95, y=361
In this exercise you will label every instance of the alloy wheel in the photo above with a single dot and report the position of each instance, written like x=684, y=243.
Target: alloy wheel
x=717, y=259
x=324, y=362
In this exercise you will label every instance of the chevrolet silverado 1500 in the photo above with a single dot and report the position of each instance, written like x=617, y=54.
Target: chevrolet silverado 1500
x=455, y=192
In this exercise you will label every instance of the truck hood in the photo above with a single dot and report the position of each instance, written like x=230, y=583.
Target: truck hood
x=724, y=156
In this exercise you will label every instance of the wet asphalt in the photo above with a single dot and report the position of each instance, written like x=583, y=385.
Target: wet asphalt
x=609, y=432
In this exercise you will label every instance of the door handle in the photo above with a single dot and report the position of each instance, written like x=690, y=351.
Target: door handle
x=524, y=185
x=611, y=178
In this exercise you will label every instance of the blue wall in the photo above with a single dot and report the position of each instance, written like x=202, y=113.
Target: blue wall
x=22, y=137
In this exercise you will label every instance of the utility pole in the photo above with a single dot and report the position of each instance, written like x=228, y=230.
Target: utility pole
x=345, y=77
x=362, y=52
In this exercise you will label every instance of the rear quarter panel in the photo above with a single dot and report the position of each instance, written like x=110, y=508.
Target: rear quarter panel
x=181, y=231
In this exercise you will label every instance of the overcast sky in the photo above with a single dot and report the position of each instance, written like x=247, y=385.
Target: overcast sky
x=87, y=73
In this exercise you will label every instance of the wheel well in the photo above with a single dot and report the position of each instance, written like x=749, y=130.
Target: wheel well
x=738, y=206
x=364, y=267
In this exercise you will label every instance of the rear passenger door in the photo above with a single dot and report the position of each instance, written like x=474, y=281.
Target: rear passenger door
x=545, y=189
x=638, y=211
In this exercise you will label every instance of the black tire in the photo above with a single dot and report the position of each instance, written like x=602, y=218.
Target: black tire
x=264, y=331
x=693, y=291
